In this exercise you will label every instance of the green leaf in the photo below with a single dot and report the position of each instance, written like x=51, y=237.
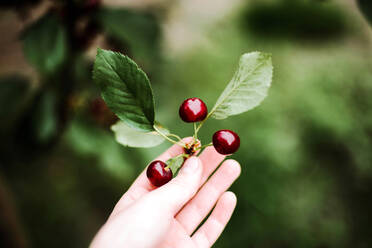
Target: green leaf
x=175, y=163
x=45, y=44
x=248, y=87
x=125, y=89
x=127, y=136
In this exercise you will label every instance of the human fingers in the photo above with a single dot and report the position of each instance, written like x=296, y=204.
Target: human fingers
x=198, y=208
x=209, y=232
x=211, y=159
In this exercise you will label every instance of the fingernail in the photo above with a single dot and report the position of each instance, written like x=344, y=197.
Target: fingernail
x=191, y=165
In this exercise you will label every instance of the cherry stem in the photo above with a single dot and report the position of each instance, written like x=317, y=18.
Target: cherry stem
x=174, y=135
x=202, y=122
x=195, y=132
x=204, y=146
x=167, y=138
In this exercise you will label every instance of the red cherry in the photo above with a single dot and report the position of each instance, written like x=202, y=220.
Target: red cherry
x=226, y=141
x=158, y=174
x=193, y=110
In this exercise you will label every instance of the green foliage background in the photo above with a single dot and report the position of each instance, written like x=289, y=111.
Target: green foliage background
x=305, y=153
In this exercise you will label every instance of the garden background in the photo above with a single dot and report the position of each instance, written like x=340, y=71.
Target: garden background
x=306, y=152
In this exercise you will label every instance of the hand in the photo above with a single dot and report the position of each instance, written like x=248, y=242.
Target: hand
x=166, y=217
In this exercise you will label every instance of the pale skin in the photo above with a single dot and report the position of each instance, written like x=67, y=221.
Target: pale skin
x=168, y=216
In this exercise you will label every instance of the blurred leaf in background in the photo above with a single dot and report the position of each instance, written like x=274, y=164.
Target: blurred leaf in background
x=296, y=19
x=139, y=30
x=45, y=44
x=45, y=117
x=14, y=93
x=89, y=141
x=366, y=8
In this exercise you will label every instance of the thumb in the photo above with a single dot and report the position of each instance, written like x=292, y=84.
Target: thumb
x=182, y=188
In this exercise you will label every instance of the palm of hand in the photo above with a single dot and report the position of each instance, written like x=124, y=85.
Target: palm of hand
x=167, y=217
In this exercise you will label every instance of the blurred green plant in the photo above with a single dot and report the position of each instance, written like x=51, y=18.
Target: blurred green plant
x=295, y=19
x=139, y=30
x=14, y=94
x=60, y=107
x=45, y=44
x=366, y=8
x=306, y=165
